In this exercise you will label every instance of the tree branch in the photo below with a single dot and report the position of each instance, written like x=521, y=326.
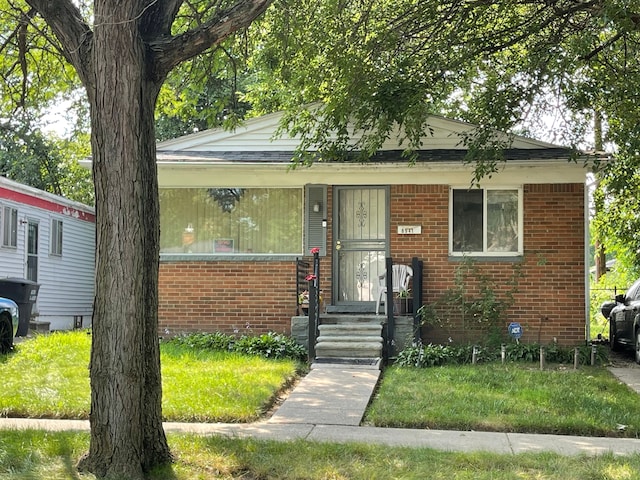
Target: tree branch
x=72, y=31
x=158, y=19
x=171, y=51
x=601, y=47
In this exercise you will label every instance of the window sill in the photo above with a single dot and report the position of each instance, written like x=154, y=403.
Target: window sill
x=227, y=257
x=487, y=258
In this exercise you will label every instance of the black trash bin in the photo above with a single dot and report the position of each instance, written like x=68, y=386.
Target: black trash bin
x=24, y=292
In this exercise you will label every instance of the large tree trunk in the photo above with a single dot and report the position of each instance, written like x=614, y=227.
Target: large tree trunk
x=127, y=438
x=123, y=72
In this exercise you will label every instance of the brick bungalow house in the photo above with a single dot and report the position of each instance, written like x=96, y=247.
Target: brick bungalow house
x=235, y=218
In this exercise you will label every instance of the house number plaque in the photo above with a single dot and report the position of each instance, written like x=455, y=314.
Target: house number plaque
x=409, y=229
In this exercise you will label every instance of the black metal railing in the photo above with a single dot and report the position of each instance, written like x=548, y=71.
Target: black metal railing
x=417, y=282
x=302, y=285
x=418, y=268
x=313, y=280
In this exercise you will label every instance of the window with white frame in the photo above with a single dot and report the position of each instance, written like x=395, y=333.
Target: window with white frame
x=231, y=220
x=9, y=227
x=56, y=237
x=486, y=221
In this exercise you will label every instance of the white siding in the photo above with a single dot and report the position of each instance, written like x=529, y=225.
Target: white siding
x=66, y=281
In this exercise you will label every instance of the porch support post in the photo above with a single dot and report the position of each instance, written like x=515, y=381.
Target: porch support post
x=417, y=266
x=390, y=306
x=313, y=326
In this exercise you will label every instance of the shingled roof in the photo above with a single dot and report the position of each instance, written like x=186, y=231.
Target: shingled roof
x=386, y=156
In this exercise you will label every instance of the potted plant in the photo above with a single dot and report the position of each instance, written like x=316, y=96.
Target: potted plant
x=303, y=302
x=404, y=302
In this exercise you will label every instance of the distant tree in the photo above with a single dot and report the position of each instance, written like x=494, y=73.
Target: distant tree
x=205, y=92
x=30, y=157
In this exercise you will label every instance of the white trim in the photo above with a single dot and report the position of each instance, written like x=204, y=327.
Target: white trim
x=227, y=174
x=587, y=262
x=43, y=195
x=55, y=232
x=12, y=241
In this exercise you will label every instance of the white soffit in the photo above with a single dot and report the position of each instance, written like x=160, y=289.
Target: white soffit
x=279, y=175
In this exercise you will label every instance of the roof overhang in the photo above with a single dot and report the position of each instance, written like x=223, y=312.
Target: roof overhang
x=181, y=169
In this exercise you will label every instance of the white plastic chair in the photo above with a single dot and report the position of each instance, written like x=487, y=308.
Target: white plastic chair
x=402, y=275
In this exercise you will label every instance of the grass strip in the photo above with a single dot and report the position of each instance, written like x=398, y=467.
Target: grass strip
x=37, y=454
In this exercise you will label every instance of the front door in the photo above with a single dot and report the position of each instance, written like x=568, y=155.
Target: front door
x=360, y=245
x=32, y=250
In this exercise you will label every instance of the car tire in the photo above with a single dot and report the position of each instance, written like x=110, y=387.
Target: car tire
x=6, y=334
x=637, y=346
x=613, y=345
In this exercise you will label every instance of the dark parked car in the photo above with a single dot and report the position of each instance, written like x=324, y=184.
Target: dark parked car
x=624, y=320
x=9, y=318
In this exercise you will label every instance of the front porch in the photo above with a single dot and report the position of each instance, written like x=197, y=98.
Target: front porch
x=349, y=332
x=354, y=338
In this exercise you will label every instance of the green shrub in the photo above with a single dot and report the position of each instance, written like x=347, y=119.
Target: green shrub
x=270, y=345
x=430, y=355
x=523, y=352
x=267, y=345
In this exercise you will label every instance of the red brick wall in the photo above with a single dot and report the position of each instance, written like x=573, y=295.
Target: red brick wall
x=550, y=297
x=242, y=297
x=260, y=296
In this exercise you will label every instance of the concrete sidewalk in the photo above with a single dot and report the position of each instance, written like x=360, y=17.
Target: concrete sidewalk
x=445, y=440
x=328, y=405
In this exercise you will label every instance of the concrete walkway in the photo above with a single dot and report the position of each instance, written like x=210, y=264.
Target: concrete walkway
x=629, y=375
x=330, y=394
x=329, y=403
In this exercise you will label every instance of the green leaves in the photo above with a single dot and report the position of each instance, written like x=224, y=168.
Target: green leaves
x=266, y=345
x=27, y=156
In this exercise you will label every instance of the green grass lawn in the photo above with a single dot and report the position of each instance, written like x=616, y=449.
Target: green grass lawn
x=509, y=398
x=52, y=456
x=48, y=377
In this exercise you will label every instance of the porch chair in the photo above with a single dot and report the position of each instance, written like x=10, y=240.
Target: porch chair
x=402, y=275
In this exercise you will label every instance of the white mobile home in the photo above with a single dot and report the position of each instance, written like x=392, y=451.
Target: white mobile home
x=49, y=240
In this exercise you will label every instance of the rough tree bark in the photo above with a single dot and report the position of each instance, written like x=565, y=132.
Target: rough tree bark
x=126, y=415
x=122, y=61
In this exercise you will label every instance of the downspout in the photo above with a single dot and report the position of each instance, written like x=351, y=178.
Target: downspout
x=587, y=262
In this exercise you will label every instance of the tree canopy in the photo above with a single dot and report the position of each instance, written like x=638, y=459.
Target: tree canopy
x=35, y=80
x=523, y=66
x=543, y=69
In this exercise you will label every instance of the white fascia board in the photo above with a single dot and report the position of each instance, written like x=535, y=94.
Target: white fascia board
x=197, y=174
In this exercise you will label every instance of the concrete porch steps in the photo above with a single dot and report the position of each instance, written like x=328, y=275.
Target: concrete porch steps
x=344, y=337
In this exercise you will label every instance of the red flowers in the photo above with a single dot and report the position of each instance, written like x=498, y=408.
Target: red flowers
x=315, y=250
